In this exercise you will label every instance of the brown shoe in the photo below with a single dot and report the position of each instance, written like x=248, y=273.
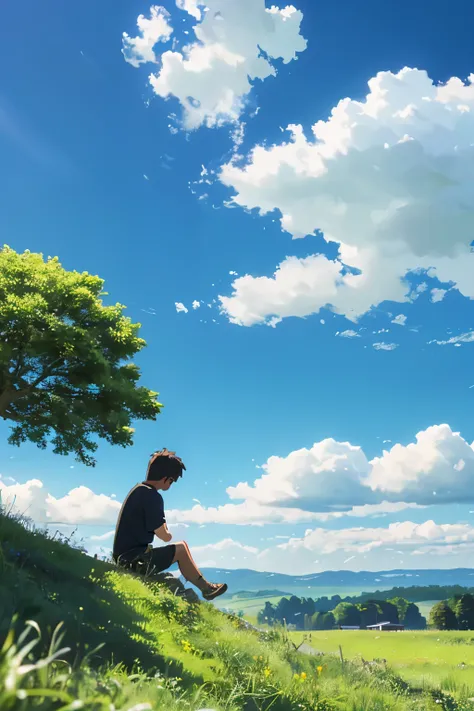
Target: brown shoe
x=214, y=590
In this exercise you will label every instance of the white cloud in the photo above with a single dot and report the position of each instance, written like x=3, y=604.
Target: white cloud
x=457, y=340
x=249, y=513
x=438, y=295
x=370, y=510
x=212, y=76
x=400, y=320
x=139, y=50
x=226, y=553
x=259, y=299
x=397, y=545
x=191, y=7
x=371, y=548
x=348, y=334
x=103, y=536
x=385, y=346
x=180, y=307
x=333, y=477
x=427, y=471
x=252, y=513
x=388, y=179
x=329, y=475
x=196, y=304
x=80, y=506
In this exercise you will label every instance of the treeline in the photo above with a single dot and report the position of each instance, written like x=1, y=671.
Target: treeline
x=415, y=593
x=456, y=613
x=305, y=615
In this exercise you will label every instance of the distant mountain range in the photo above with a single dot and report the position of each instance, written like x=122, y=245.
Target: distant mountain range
x=333, y=582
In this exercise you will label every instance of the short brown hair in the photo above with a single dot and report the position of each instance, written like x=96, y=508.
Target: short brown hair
x=163, y=465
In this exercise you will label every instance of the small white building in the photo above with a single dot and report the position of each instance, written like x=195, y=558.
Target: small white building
x=386, y=627
x=349, y=627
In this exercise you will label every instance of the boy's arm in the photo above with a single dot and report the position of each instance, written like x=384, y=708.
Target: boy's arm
x=163, y=533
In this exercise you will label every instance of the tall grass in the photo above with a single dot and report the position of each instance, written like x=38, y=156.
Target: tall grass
x=77, y=633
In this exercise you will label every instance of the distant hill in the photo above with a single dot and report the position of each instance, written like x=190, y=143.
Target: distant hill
x=243, y=594
x=340, y=582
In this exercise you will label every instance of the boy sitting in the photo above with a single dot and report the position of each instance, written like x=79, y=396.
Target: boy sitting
x=142, y=517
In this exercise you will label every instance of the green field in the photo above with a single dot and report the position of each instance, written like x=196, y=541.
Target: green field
x=123, y=642
x=422, y=658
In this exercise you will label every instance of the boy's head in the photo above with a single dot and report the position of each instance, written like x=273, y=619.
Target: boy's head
x=164, y=468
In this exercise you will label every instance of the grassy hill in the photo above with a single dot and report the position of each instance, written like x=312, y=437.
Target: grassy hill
x=76, y=633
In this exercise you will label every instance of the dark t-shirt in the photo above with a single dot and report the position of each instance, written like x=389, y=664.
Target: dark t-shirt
x=142, y=512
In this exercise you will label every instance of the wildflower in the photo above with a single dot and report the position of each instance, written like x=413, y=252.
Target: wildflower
x=319, y=669
x=255, y=658
x=296, y=676
x=303, y=676
x=260, y=657
x=267, y=672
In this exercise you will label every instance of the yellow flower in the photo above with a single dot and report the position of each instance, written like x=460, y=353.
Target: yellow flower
x=303, y=676
x=296, y=676
x=319, y=669
x=260, y=657
x=267, y=672
x=255, y=658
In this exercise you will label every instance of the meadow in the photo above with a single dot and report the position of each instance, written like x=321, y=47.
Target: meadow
x=428, y=658
x=77, y=633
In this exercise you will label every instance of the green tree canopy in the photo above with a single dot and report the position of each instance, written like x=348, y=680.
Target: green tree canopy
x=464, y=612
x=65, y=370
x=442, y=616
x=347, y=614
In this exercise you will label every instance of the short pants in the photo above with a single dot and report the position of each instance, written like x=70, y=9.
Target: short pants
x=157, y=559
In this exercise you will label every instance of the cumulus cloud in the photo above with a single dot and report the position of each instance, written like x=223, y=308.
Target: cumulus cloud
x=400, y=320
x=399, y=544
x=257, y=299
x=180, y=308
x=80, y=506
x=372, y=548
x=329, y=475
x=235, y=45
x=252, y=513
x=438, y=295
x=196, y=304
x=139, y=50
x=388, y=179
x=428, y=470
x=337, y=476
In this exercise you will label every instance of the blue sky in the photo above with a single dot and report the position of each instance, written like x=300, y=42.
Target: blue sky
x=162, y=200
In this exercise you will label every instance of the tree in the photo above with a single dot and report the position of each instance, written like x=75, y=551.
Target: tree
x=402, y=606
x=442, y=616
x=326, y=621
x=267, y=615
x=464, y=612
x=413, y=619
x=346, y=614
x=65, y=370
x=369, y=613
x=388, y=612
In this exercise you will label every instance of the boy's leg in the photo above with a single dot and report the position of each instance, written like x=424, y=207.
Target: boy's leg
x=192, y=574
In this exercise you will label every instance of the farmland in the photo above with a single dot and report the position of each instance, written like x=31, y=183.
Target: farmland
x=423, y=659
